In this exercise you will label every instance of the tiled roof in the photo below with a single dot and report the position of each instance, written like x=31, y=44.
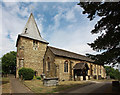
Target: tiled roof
x=65, y=53
x=81, y=66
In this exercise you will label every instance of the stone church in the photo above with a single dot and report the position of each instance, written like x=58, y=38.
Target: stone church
x=33, y=52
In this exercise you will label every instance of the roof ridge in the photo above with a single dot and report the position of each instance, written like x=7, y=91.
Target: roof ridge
x=68, y=51
x=36, y=24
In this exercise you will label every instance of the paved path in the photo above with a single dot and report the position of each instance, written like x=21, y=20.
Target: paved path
x=17, y=86
x=99, y=87
x=106, y=88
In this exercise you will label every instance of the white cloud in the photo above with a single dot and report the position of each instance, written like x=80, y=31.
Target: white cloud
x=75, y=36
x=13, y=8
x=73, y=39
x=0, y=29
x=14, y=18
x=12, y=25
x=70, y=16
x=41, y=1
x=119, y=67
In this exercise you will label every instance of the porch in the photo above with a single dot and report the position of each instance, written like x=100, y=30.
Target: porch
x=80, y=72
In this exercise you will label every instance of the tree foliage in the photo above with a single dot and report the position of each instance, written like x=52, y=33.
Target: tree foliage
x=9, y=63
x=114, y=74
x=109, y=28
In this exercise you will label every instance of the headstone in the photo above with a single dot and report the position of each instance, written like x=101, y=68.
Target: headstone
x=50, y=81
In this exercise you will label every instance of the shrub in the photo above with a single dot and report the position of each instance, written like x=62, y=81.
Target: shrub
x=38, y=77
x=26, y=73
x=34, y=77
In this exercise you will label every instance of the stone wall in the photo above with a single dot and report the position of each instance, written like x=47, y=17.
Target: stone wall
x=38, y=59
x=31, y=58
x=49, y=57
x=19, y=56
x=67, y=75
x=103, y=75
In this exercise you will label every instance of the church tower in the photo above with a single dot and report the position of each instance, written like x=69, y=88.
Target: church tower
x=31, y=47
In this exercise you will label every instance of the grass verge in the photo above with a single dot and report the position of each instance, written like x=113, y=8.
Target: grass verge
x=5, y=85
x=37, y=86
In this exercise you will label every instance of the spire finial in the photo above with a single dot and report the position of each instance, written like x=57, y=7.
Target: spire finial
x=31, y=9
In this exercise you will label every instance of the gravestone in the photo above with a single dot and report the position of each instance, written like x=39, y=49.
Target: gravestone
x=50, y=81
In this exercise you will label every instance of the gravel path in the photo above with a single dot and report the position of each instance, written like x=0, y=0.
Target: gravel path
x=17, y=86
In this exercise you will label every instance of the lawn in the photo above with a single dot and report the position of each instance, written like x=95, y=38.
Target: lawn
x=5, y=85
x=37, y=86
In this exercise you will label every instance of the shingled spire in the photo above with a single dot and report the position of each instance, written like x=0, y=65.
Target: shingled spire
x=31, y=30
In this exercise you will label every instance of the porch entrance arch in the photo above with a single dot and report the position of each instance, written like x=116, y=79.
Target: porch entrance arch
x=80, y=69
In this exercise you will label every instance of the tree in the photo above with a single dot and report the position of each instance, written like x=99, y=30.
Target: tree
x=9, y=63
x=109, y=28
x=114, y=74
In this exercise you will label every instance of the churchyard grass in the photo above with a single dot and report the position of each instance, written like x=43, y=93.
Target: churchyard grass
x=37, y=86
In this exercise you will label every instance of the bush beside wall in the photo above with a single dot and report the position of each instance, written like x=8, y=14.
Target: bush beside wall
x=26, y=73
x=38, y=77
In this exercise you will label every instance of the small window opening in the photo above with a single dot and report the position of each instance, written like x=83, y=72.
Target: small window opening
x=48, y=66
x=35, y=45
x=25, y=30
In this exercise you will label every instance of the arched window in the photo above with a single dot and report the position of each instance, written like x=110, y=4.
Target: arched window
x=48, y=64
x=66, y=66
x=91, y=70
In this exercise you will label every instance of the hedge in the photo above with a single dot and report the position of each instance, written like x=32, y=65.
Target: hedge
x=26, y=73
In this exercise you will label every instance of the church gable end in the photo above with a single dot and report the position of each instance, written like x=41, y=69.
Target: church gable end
x=49, y=67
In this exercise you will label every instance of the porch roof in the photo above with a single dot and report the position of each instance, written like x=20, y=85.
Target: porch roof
x=81, y=66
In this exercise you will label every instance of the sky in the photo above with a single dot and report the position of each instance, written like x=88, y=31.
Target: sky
x=62, y=24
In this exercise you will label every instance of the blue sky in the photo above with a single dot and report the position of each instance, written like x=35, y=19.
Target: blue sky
x=62, y=24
